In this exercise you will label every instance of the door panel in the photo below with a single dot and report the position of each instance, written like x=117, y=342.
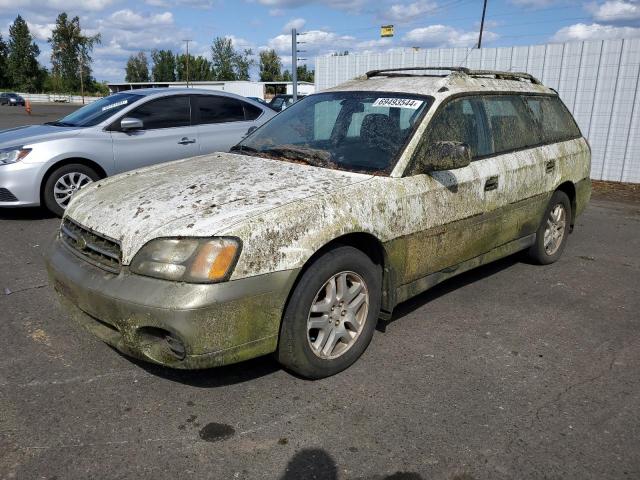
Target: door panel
x=222, y=121
x=167, y=134
x=457, y=211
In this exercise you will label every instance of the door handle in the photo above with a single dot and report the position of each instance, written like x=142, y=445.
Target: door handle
x=550, y=166
x=186, y=141
x=491, y=184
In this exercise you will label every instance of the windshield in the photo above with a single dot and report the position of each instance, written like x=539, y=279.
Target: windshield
x=98, y=111
x=355, y=131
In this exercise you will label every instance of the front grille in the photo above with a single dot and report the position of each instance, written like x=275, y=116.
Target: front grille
x=94, y=248
x=7, y=196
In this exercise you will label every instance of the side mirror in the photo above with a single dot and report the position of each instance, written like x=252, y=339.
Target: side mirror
x=130, y=123
x=447, y=155
x=251, y=130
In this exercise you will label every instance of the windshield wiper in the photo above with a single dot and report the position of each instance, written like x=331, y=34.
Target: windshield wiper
x=312, y=156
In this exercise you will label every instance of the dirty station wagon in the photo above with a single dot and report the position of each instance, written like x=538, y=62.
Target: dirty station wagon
x=322, y=220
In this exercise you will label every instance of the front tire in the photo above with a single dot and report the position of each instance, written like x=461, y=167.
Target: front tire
x=63, y=183
x=552, y=235
x=332, y=313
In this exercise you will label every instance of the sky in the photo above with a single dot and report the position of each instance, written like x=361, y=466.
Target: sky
x=128, y=26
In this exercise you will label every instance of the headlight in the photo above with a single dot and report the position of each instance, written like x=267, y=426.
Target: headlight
x=194, y=260
x=13, y=155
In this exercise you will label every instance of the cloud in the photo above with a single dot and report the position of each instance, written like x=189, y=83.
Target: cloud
x=402, y=13
x=437, y=36
x=534, y=3
x=199, y=4
x=595, y=31
x=55, y=5
x=616, y=10
x=129, y=20
x=348, y=5
x=296, y=23
x=41, y=31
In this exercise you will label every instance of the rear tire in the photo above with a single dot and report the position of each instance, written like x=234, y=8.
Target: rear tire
x=331, y=315
x=63, y=183
x=552, y=235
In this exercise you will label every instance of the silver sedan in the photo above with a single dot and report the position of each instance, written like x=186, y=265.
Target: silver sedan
x=46, y=164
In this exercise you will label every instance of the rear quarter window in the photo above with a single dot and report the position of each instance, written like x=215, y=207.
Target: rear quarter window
x=553, y=118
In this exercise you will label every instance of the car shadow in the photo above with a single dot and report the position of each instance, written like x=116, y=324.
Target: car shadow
x=449, y=285
x=213, y=377
x=318, y=464
x=26, y=213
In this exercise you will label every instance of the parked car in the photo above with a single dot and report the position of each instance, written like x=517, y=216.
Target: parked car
x=11, y=99
x=280, y=102
x=262, y=101
x=47, y=164
x=323, y=220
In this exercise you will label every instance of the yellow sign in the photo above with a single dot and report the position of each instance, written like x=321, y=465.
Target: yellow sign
x=386, y=31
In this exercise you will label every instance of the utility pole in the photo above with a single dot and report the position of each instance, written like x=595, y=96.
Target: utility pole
x=294, y=63
x=187, y=41
x=484, y=11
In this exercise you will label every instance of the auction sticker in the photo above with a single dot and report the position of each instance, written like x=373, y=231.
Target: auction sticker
x=410, y=103
x=114, y=105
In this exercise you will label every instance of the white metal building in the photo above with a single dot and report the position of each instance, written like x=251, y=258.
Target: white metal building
x=597, y=80
x=244, y=88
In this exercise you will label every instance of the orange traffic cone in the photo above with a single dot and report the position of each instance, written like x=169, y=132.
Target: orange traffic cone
x=27, y=106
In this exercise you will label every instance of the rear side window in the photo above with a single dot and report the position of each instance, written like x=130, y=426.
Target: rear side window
x=461, y=120
x=553, y=117
x=214, y=109
x=512, y=125
x=251, y=112
x=166, y=112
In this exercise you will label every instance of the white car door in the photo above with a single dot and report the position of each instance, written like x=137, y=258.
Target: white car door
x=223, y=121
x=166, y=134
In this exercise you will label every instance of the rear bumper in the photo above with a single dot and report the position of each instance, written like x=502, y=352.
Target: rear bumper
x=22, y=180
x=216, y=324
x=583, y=195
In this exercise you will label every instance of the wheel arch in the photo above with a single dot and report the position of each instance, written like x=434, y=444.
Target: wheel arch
x=570, y=190
x=68, y=161
x=371, y=246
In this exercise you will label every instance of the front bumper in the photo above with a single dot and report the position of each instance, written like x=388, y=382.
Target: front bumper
x=217, y=324
x=22, y=180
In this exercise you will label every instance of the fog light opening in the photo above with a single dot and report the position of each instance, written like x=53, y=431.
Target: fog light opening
x=176, y=346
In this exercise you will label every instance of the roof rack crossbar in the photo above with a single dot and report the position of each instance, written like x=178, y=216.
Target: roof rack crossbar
x=504, y=75
x=375, y=73
x=501, y=75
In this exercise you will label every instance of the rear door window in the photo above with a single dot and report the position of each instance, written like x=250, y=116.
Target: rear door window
x=554, y=119
x=218, y=109
x=166, y=112
x=511, y=123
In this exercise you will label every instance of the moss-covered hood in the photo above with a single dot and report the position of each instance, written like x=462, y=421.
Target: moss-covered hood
x=196, y=197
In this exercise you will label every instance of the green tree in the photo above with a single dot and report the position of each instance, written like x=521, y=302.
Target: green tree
x=270, y=66
x=228, y=63
x=304, y=75
x=137, y=69
x=71, y=54
x=164, y=66
x=4, y=74
x=200, y=69
x=22, y=63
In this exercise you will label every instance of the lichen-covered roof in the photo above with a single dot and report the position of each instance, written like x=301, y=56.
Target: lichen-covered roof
x=431, y=85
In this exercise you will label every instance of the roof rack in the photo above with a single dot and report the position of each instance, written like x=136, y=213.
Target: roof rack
x=499, y=75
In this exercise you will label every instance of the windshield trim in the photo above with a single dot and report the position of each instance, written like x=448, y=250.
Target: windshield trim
x=393, y=161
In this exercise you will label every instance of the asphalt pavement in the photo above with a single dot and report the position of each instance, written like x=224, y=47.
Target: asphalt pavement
x=510, y=371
